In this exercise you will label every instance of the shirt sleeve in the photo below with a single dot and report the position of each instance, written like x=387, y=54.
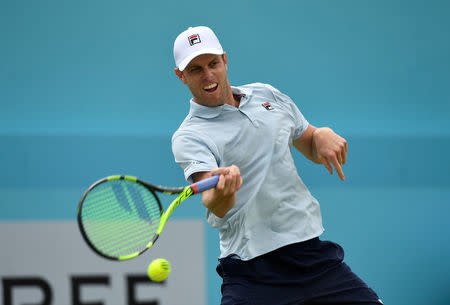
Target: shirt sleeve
x=301, y=124
x=193, y=153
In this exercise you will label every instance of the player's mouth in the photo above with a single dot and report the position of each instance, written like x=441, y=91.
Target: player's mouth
x=211, y=88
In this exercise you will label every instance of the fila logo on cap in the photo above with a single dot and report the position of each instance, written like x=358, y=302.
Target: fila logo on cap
x=193, y=39
x=185, y=52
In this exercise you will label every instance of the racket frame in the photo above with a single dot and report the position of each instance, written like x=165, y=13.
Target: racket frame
x=185, y=192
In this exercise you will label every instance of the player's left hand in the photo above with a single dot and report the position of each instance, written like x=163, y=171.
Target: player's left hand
x=330, y=148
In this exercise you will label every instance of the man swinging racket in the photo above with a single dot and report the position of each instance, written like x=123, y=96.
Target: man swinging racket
x=269, y=223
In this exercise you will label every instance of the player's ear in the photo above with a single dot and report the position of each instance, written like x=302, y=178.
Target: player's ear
x=180, y=75
x=224, y=57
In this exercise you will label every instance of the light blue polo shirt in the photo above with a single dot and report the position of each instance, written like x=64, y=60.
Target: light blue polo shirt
x=273, y=207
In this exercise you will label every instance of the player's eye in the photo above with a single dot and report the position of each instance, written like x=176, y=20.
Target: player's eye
x=194, y=70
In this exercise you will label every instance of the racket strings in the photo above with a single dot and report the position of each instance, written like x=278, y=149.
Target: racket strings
x=115, y=239
x=120, y=217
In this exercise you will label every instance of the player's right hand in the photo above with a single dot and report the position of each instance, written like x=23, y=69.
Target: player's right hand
x=230, y=180
x=222, y=198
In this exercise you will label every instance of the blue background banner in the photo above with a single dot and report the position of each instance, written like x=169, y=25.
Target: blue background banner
x=87, y=89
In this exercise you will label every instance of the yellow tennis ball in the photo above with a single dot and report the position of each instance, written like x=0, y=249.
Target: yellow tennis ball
x=158, y=270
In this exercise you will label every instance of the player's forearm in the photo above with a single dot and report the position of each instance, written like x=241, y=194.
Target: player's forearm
x=304, y=144
x=219, y=205
x=222, y=198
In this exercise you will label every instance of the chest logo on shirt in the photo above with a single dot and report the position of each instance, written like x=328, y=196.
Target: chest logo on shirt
x=267, y=106
x=193, y=39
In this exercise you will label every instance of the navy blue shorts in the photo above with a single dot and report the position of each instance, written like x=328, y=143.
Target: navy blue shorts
x=311, y=272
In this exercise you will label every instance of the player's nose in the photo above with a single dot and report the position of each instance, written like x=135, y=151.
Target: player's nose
x=208, y=74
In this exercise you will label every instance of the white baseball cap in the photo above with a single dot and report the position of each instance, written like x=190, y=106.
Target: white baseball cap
x=193, y=42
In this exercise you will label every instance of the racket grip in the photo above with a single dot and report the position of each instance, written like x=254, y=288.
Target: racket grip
x=205, y=184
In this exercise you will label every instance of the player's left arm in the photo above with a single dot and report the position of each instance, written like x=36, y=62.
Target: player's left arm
x=323, y=146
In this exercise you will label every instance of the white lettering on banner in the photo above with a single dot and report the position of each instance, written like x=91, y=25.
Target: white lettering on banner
x=49, y=263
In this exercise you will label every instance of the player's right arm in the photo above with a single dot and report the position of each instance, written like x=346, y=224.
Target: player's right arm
x=222, y=198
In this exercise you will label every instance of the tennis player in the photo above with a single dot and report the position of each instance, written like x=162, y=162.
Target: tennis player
x=269, y=223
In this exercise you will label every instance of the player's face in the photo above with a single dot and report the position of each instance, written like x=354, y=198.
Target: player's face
x=206, y=77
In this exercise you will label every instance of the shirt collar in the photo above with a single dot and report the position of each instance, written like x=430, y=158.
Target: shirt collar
x=212, y=112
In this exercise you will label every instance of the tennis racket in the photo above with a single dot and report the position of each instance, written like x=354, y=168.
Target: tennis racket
x=120, y=217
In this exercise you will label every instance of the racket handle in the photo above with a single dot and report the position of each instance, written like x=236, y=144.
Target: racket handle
x=205, y=184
